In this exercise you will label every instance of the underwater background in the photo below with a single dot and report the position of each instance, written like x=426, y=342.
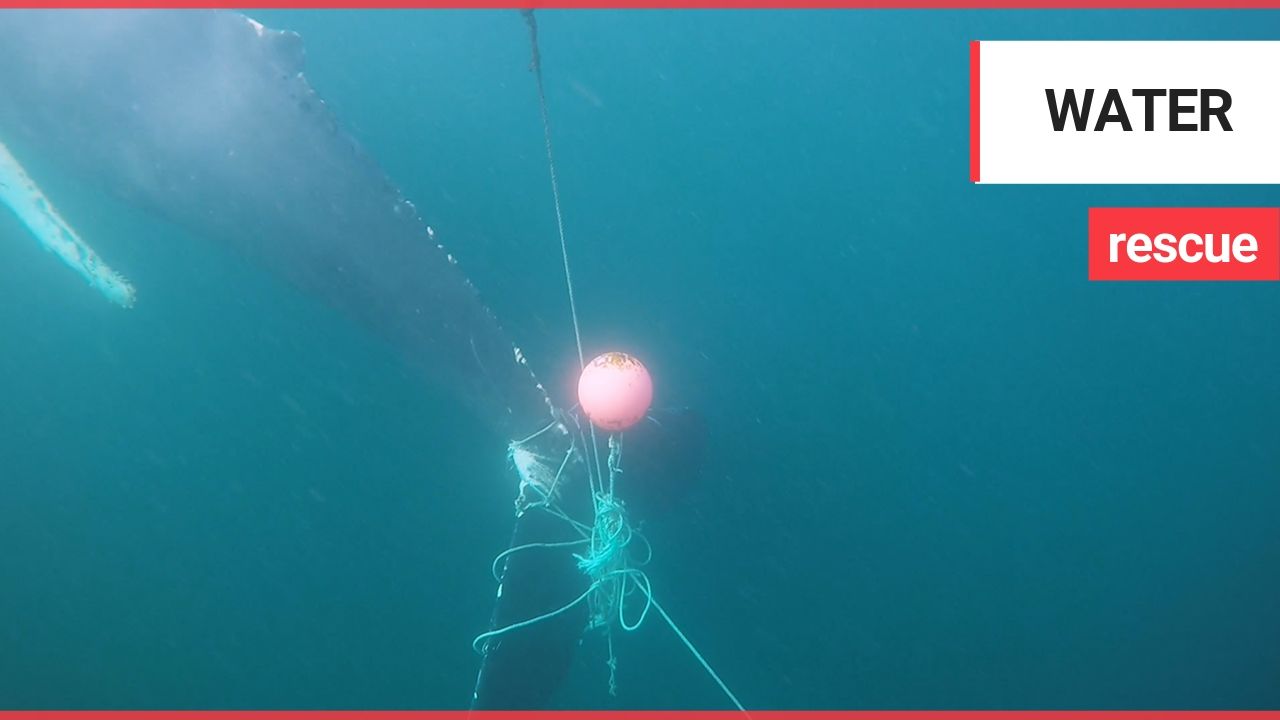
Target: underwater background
x=945, y=471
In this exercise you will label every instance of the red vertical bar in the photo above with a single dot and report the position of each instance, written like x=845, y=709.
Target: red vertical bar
x=975, y=111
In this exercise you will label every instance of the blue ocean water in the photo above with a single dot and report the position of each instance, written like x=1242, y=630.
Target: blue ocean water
x=946, y=471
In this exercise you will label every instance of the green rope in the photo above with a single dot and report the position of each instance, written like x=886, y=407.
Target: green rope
x=528, y=546
x=615, y=575
x=482, y=638
x=701, y=660
x=642, y=583
x=606, y=562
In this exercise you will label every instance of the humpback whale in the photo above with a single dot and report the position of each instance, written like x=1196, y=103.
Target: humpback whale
x=206, y=119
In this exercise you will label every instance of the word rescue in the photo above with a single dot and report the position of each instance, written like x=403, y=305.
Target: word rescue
x=1184, y=244
x=1103, y=112
x=1213, y=105
x=1190, y=248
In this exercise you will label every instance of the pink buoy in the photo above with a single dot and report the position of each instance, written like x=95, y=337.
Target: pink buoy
x=615, y=391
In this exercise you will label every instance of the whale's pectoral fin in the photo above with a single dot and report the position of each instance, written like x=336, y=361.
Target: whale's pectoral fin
x=28, y=202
